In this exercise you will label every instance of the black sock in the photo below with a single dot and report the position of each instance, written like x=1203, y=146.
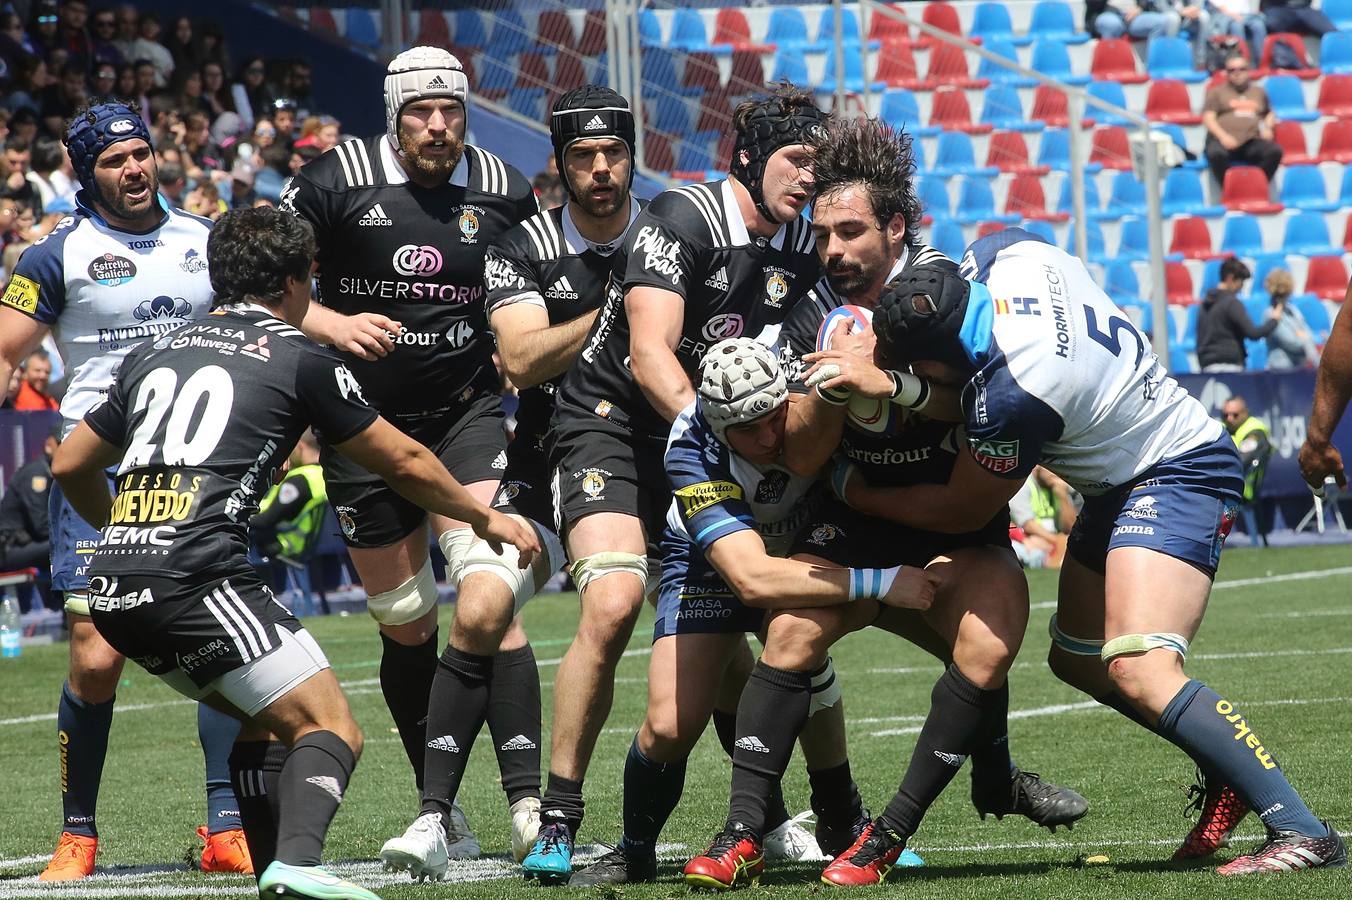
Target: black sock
x=255, y=772
x=651, y=792
x=514, y=721
x=835, y=796
x=406, y=675
x=1114, y=700
x=455, y=713
x=772, y=711
x=992, y=766
x=82, y=739
x=958, y=720
x=310, y=787
x=776, y=813
x=562, y=802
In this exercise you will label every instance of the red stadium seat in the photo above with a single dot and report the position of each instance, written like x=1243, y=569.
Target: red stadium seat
x=1326, y=277
x=1178, y=284
x=1335, y=96
x=593, y=41
x=657, y=153
x=1246, y=190
x=432, y=29
x=1114, y=60
x=1291, y=138
x=1336, y=142
x=723, y=155
x=555, y=29
x=1008, y=152
x=533, y=71
x=1027, y=199
x=1192, y=238
x=885, y=28
x=715, y=111
x=322, y=20
x=986, y=228
x=732, y=28
x=1110, y=148
x=1347, y=235
x=1050, y=106
x=748, y=72
x=1297, y=46
x=701, y=71
x=950, y=111
x=948, y=65
x=943, y=16
x=1168, y=101
x=896, y=67
x=569, y=71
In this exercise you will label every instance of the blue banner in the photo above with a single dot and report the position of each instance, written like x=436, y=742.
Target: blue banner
x=21, y=438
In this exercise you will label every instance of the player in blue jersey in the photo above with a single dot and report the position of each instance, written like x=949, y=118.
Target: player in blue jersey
x=1055, y=374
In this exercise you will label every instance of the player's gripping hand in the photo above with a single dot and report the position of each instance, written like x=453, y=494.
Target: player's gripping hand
x=498, y=529
x=368, y=336
x=1318, y=463
x=913, y=588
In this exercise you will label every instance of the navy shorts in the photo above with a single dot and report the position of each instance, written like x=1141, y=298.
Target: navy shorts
x=1182, y=507
x=73, y=542
x=694, y=599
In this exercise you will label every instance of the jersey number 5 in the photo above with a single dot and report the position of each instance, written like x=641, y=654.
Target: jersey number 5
x=159, y=394
x=1110, y=339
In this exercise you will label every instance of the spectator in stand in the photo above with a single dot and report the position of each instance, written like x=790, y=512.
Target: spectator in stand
x=251, y=148
x=182, y=45
x=1140, y=19
x=24, y=529
x=45, y=28
x=23, y=125
x=14, y=44
x=202, y=152
x=242, y=192
x=300, y=156
x=103, y=29
x=1241, y=19
x=145, y=86
x=205, y=201
x=104, y=80
x=74, y=16
x=215, y=91
x=253, y=101
x=148, y=47
x=1239, y=123
x=35, y=394
x=186, y=88
x=18, y=158
x=125, y=85
x=296, y=84
x=52, y=176
x=1296, y=17
x=1224, y=323
x=211, y=45
x=126, y=37
x=548, y=186
x=284, y=120
x=4, y=125
x=61, y=100
x=1291, y=344
x=320, y=132
x=173, y=184
x=30, y=79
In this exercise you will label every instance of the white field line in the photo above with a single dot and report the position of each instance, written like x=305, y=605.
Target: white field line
x=1237, y=840
x=1250, y=582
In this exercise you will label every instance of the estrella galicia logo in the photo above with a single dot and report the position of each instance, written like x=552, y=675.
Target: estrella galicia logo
x=162, y=307
x=193, y=262
x=110, y=271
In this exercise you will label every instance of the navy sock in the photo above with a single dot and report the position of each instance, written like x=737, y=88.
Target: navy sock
x=514, y=721
x=82, y=738
x=310, y=787
x=217, y=733
x=651, y=792
x=406, y=675
x=1218, y=737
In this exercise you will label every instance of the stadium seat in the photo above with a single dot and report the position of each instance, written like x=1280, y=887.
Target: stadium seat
x=1120, y=281
x=885, y=28
x=433, y=30
x=1316, y=313
x=731, y=29
x=688, y=33
x=1256, y=355
x=1189, y=320
x=954, y=155
x=1287, y=98
x=470, y=30
x=1139, y=313
x=1327, y=277
x=1001, y=108
x=554, y=31
x=569, y=71
x=1093, y=207
x=592, y=43
x=1307, y=234
x=1290, y=136
x=1051, y=58
x=1335, y=95
x=1008, y=152
x=949, y=111
x=658, y=70
x=701, y=72
x=1111, y=148
x=787, y=28
x=1050, y=107
x=1180, y=360
x=896, y=67
x=1111, y=92
x=900, y=110
x=1184, y=195
x=1335, y=53
x=532, y=72
x=1303, y=188
x=1335, y=144
x=510, y=34
x=657, y=152
x=670, y=113
x=527, y=102
x=748, y=73
x=1178, y=284
x=991, y=20
x=1126, y=196
x=1053, y=21
x=1093, y=238
x=1211, y=276
x=996, y=73
x=854, y=72
x=946, y=237
x=934, y=199
x=1133, y=239
x=1114, y=60
x=1264, y=264
x=940, y=15
x=986, y=228
x=1340, y=12
x=1171, y=57
x=948, y=67
x=1053, y=151
x=1028, y=200
x=1041, y=229
x=1242, y=236
x=650, y=29
x=1192, y=238
x=696, y=152
x=976, y=203
x=790, y=65
x=321, y=20
x=849, y=27
x=1175, y=133
x=1297, y=45
x=715, y=111
x=495, y=76
x=1167, y=101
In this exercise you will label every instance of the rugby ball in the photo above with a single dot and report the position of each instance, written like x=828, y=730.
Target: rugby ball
x=864, y=413
x=858, y=316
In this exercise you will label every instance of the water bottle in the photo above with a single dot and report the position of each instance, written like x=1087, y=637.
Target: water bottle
x=10, y=630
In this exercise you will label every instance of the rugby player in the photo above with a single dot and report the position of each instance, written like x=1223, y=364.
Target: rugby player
x=866, y=220
x=1319, y=459
x=403, y=220
x=1055, y=374
x=702, y=263
x=123, y=268
x=545, y=279
x=199, y=424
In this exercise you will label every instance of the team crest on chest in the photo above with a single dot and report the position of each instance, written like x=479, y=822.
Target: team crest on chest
x=468, y=222
x=776, y=285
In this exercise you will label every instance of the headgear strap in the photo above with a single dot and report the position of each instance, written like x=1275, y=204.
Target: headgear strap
x=770, y=126
x=920, y=316
x=95, y=130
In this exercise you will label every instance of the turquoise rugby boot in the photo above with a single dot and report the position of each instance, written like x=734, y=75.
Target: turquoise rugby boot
x=550, y=860
x=281, y=881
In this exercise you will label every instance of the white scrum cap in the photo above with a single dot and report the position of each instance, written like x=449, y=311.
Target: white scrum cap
x=421, y=72
x=740, y=381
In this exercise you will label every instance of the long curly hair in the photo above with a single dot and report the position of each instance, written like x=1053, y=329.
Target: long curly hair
x=870, y=154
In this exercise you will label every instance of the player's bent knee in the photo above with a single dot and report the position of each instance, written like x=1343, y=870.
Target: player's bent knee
x=1144, y=643
x=506, y=565
x=590, y=569
x=455, y=545
x=406, y=603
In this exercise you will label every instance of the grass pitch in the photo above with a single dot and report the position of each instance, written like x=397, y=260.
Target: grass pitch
x=1278, y=640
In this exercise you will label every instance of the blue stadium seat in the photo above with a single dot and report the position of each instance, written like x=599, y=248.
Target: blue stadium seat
x=1040, y=228
x=946, y=237
x=976, y=203
x=1287, y=99
x=1093, y=206
x=788, y=28
x=1093, y=238
x=1133, y=242
x=1340, y=11
x=934, y=199
x=854, y=72
x=1127, y=197
x=1183, y=195
x=1141, y=314
x=362, y=28
x=1120, y=281
x=470, y=30
x=1335, y=53
x=649, y=29
x=1053, y=20
x=849, y=29
x=900, y=110
x=1307, y=234
x=998, y=74
x=991, y=20
x=955, y=156
x=494, y=74
x=1054, y=151
x=1052, y=58
x=1211, y=276
x=1242, y=236
x=1171, y=57
x=510, y=34
x=658, y=68
x=1256, y=355
x=1190, y=317
x=688, y=33
x=1001, y=109
x=1180, y=361
x=1111, y=92
x=1175, y=132
x=1316, y=315
x=697, y=152
x=1303, y=188
x=790, y=64
x=1345, y=189
x=1265, y=263
x=671, y=113
x=527, y=102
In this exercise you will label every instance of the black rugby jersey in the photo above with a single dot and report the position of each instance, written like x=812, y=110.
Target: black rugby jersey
x=918, y=450
x=205, y=416
x=414, y=254
x=693, y=241
x=545, y=262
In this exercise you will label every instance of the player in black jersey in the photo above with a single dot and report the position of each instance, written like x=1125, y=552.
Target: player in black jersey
x=402, y=221
x=545, y=279
x=702, y=263
x=198, y=424
x=866, y=220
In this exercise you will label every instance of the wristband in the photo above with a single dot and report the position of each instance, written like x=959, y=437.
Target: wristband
x=909, y=391
x=871, y=584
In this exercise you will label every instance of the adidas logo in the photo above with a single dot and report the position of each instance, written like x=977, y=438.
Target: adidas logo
x=719, y=280
x=375, y=216
x=500, y=461
x=520, y=742
x=328, y=784
x=561, y=290
x=445, y=742
x=953, y=759
x=752, y=743
x=435, y=83
x=595, y=124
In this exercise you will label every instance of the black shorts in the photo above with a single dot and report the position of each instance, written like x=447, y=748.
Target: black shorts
x=469, y=441
x=525, y=489
x=602, y=467
x=846, y=537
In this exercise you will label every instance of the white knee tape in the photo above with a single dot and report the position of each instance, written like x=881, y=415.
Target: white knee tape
x=481, y=558
x=598, y=565
x=77, y=602
x=406, y=603
x=1140, y=643
x=825, y=689
x=1073, y=645
x=455, y=546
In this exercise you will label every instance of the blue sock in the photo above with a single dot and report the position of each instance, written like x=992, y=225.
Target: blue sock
x=217, y=733
x=1218, y=737
x=82, y=736
x=651, y=792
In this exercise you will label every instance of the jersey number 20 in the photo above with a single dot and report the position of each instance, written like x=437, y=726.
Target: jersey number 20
x=159, y=393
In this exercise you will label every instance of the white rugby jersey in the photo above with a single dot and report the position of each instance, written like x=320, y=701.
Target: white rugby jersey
x=104, y=291
x=1065, y=380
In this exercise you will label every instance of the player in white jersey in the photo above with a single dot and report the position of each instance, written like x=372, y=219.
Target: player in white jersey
x=1056, y=374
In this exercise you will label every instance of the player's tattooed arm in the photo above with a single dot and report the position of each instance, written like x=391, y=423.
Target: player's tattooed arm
x=655, y=320
x=79, y=466
x=532, y=350
x=367, y=336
